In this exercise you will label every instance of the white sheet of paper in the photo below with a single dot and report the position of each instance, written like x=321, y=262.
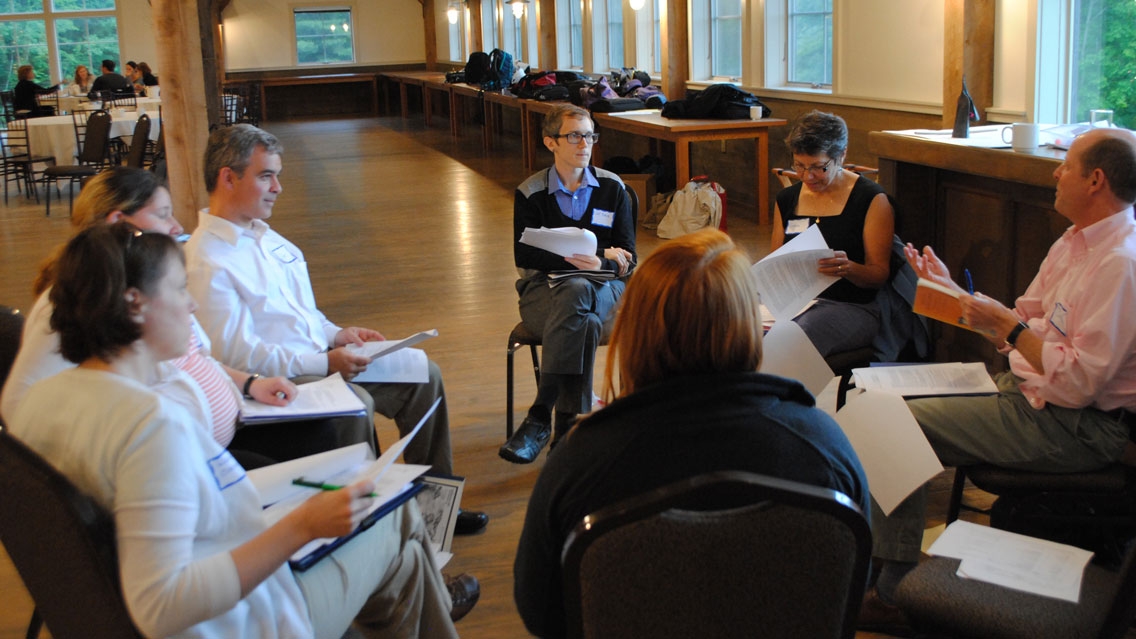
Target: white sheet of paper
x=274, y=483
x=892, y=448
x=327, y=396
x=788, y=352
x=406, y=366
x=563, y=241
x=1014, y=561
x=787, y=278
x=919, y=380
x=375, y=350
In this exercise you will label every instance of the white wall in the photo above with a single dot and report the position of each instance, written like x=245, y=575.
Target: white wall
x=889, y=50
x=136, y=39
x=1011, y=31
x=260, y=34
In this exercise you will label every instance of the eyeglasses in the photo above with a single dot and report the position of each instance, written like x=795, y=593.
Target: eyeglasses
x=821, y=169
x=576, y=138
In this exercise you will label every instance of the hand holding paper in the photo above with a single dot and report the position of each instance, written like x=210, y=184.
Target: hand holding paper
x=788, y=278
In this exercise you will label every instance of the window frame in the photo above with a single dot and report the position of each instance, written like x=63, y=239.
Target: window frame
x=48, y=15
x=309, y=7
x=829, y=47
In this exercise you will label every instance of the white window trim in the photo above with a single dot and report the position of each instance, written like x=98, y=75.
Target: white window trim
x=316, y=6
x=1049, y=67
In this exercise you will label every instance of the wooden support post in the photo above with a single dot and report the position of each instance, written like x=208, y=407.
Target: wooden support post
x=185, y=54
x=546, y=34
x=674, y=48
x=429, y=20
x=968, y=49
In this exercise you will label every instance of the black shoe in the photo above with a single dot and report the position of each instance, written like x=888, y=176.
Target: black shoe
x=469, y=522
x=526, y=442
x=464, y=591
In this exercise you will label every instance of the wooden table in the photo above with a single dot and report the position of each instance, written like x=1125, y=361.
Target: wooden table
x=405, y=79
x=495, y=103
x=682, y=132
x=303, y=80
x=433, y=85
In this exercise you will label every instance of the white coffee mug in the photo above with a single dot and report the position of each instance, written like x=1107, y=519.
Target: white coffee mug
x=1023, y=135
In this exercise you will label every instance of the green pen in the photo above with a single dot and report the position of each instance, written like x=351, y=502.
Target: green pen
x=300, y=481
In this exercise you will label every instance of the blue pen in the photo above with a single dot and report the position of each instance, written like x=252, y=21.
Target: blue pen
x=969, y=282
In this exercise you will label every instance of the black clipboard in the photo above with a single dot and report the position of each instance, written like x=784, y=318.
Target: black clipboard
x=309, y=560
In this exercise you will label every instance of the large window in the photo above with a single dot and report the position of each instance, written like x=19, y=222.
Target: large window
x=809, y=40
x=1104, y=60
x=615, y=56
x=55, y=36
x=324, y=36
x=726, y=39
x=575, y=34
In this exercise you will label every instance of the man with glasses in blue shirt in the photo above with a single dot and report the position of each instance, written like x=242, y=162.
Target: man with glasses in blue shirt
x=571, y=316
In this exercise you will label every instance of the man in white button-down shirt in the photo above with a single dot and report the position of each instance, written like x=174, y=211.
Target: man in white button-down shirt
x=258, y=307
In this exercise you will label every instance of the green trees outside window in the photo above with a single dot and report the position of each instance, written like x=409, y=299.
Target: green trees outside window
x=810, y=42
x=1104, y=60
x=324, y=37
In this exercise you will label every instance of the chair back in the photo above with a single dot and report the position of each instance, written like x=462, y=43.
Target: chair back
x=122, y=100
x=724, y=554
x=7, y=99
x=11, y=328
x=63, y=545
x=138, y=142
x=232, y=108
x=15, y=141
x=786, y=177
x=48, y=100
x=94, y=138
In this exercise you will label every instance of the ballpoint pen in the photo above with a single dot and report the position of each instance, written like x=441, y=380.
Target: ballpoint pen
x=969, y=282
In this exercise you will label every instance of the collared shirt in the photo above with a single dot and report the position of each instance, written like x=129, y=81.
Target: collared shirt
x=573, y=205
x=1082, y=303
x=256, y=300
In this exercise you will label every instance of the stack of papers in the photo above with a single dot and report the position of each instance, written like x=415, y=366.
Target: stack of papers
x=392, y=361
x=555, y=278
x=1014, y=561
x=918, y=380
x=564, y=241
x=328, y=397
x=788, y=279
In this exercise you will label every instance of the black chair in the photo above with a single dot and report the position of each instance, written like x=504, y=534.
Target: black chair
x=521, y=336
x=11, y=329
x=726, y=554
x=6, y=99
x=19, y=162
x=122, y=100
x=92, y=138
x=939, y=602
x=63, y=545
x=139, y=142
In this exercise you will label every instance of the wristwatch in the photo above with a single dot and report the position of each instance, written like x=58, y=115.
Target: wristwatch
x=1012, y=338
x=252, y=378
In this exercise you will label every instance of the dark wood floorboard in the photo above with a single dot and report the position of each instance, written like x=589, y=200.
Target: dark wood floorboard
x=404, y=229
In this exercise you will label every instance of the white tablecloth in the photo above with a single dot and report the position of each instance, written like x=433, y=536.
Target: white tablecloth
x=55, y=135
x=68, y=104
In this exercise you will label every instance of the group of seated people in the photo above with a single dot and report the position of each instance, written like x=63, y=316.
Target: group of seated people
x=139, y=79
x=116, y=383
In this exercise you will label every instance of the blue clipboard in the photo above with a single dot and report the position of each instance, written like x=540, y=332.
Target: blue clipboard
x=309, y=560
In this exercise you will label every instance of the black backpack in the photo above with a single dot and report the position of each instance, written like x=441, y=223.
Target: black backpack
x=500, y=72
x=716, y=102
x=477, y=68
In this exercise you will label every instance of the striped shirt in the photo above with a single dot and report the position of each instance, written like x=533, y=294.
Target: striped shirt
x=215, y=383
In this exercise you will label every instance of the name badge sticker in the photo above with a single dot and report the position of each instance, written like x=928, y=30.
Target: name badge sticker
x=601, y=217
x=1058, y=316
x=226, y=470
x=283, y=254
x=798, y=225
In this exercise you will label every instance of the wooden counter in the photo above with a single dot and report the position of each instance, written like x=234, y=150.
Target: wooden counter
x=989, y=211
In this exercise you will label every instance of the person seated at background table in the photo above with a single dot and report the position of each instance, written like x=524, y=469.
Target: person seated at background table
x=570, y=317
x=857, y=221
x=25, y=92
x=81, y=83
x=1066, y=403
x=196, y=556
x=138, y=196
x=685, y=398
x=146, y=75
x=131, y=72
x=109, y=81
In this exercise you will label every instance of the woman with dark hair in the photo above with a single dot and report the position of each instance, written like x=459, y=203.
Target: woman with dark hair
x=25, y=92
x=147, y=75
x=857, y=221
x=197, y=557
x=685, y=350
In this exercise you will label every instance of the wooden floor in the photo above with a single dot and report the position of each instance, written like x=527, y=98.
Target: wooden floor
x=404, y=230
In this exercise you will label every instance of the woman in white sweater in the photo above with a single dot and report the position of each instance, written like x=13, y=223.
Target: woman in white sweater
x=196, y=557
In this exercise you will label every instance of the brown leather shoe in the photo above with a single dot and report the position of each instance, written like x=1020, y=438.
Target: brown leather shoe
x=877, y=615
x=464, y=591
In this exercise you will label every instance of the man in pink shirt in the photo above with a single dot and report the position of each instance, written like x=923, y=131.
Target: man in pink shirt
x=1065, y=403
